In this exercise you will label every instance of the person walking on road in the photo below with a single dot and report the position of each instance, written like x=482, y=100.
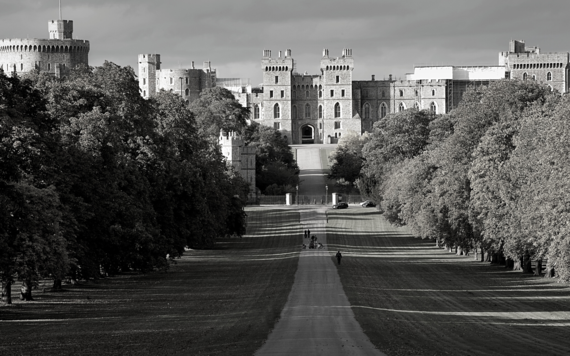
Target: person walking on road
x=338, y=257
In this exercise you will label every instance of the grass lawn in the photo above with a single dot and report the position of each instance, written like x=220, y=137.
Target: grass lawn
x=412, y=298
x=223, y=301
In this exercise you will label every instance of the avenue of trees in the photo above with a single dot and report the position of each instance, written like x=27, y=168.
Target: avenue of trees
x=489, y=178
x=96, y=180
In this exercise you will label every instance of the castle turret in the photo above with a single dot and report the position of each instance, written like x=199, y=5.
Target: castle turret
x=60, y=29
x=149, y=65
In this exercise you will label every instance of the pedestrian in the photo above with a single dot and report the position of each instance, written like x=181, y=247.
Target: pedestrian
x=304, y=234
x=338, y=257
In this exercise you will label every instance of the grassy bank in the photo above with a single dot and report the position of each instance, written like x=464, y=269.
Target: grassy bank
x=223, y=301
x=412, y=298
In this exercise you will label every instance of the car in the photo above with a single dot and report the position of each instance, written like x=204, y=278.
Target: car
x=341, y=205
x=367, y=204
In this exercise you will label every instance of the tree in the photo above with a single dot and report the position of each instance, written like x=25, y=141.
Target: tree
x=346, y=160
x=217, y=109
x=274, y=161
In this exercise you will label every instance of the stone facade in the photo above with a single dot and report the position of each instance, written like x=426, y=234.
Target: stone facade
x=527, y=63
x=323, y=107
x=186, y=82
x=55, y=55
x=241, y=157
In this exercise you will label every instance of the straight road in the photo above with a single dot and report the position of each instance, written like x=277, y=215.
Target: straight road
x=317, y=318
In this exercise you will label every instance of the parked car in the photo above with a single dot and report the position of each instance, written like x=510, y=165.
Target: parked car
x=367, y=204
x=341, y=205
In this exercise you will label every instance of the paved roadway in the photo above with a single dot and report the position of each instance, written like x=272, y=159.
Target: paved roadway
x=317, y=318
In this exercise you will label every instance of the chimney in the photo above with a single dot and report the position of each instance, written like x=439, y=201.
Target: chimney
x=279, y=54
x=325, y=52
x=373, y=77
x=390, y=77
x=288, y=53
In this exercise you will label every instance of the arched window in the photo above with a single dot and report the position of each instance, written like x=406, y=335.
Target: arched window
x=186, y=92
x=337, y=110
x=307, y=94
x=276, y=111
x=256, y=111
x=320, y=111
x=307, y=111
x=525, y=76
x=366, y=111
x=549, y=76
x=433, y=108
x=382, y=110
x=294, y=113
x=401, y=107
x=533, y=77
x=401, y=93
x=433, y=92
x=416, y=106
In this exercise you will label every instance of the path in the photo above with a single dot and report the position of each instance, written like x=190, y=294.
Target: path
x=317, y=319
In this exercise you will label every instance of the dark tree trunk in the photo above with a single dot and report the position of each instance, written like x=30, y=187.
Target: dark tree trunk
x=526, y=263
x=509, y=264
x=476, y=254
x=538, y=269
x=57, y=284
x=7, y=292
x=26, y=291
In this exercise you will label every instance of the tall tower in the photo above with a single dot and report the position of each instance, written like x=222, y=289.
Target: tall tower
x=337, y=93
x=149, y=65
x=60, y=29
x=232, y=144
x=277, y=74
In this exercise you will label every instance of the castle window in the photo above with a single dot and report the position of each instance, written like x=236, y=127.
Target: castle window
x=416, y=93
x=276, y=79
x=186, y=92
x=271, y=93
x=320, y=125
x=332, y=93
x=342, y=93
x=549, y=76
x=401, y=107
x=320, y=93
x=337, y=110
x=382, y=110
x=433, y=92
x=144, y=81
x=144, y=92
x=49, y=66
x=307, y=111
x=401, y=93
x=533, y=77
x=171, y=80
x=366, y=111
x=433, y=108
x=21, y=66
x=186, y=80
x=416, y=106
x=337, y=125
x=338, y=79
x=320, y=111
x=282, y=93
x=525, y=76
x=294, y=108
x=277, y=125
x=276, y=111
x=256, y=111
x=383, y=93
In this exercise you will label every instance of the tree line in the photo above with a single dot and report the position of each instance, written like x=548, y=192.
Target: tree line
x=490, y=177
x=96, y=180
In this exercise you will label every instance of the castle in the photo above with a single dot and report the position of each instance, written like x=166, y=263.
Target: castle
x=240, y=157
x=55, y=55
x=321, y=108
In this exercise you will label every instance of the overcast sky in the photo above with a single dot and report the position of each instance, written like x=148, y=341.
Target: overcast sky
x=386, y=37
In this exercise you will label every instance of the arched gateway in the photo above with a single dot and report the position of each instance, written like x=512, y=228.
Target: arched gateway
x=307, y=134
